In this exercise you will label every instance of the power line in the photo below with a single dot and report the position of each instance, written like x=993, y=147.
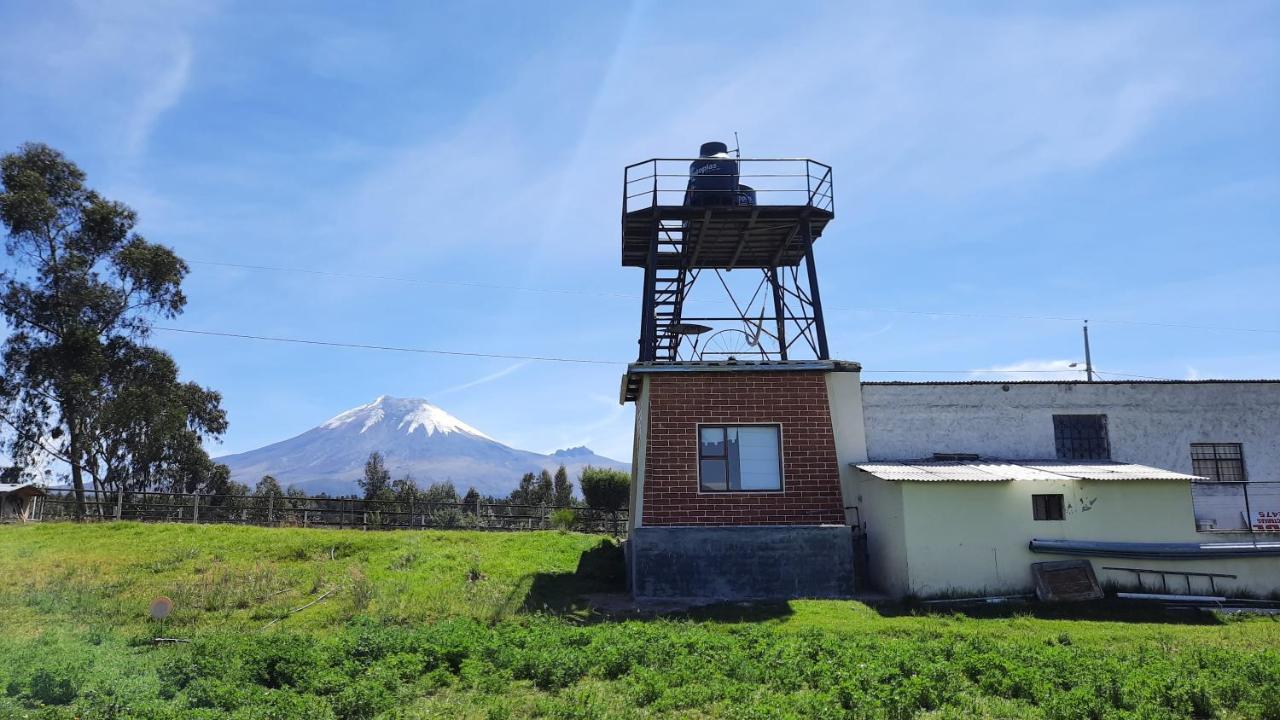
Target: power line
x=362, y=346
x=626, y=296
x=414, y=281
x=545, y=358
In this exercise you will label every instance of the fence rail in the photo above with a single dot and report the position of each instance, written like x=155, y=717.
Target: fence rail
x=296, y=511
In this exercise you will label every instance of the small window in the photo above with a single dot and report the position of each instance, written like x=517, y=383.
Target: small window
x=1081, y=437
x=1046, y=507
x=739, y=458
x=1220, y=462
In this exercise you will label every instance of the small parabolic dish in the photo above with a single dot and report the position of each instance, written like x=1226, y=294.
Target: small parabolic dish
x=161, y=607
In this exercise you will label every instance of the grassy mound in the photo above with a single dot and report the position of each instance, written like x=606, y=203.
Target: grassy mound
x=476, y=625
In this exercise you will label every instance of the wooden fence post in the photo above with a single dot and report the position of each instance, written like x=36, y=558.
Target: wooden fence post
x=271, y=506
x=195, y=508
x=120, y=502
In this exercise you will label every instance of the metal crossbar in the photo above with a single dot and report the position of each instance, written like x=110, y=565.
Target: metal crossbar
x=1164, y=579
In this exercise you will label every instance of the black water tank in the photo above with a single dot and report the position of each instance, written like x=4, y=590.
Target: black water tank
x=713, y=177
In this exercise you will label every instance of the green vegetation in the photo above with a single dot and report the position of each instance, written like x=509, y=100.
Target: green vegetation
x=492, y=625
x=605, y=488
x=78, y=298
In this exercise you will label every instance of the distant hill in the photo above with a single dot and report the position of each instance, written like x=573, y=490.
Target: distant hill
x=414, y=437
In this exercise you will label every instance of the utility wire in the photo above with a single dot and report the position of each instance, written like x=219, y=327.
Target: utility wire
x=545, y=358
x=415, y=281
x=362, y=346
x=625, y=296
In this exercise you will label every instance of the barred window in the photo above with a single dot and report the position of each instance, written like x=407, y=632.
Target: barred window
x=1046, y=507
x=1081, y=437
x=1223, y=462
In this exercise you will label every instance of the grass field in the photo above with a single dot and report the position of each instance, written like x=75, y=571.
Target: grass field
x=491, y=625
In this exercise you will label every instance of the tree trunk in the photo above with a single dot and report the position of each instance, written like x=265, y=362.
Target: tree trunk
x=77, y=474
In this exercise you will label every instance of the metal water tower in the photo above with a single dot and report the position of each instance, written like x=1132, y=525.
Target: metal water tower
x=726, y=244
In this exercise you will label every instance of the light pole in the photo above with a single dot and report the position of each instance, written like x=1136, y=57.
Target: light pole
x=1088, y=358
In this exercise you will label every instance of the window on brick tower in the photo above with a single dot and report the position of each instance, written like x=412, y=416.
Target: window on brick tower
x=1081, y=437
x=739, y=458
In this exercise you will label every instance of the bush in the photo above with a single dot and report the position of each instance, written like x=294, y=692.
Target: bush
x=605, y=489
x=564, y=518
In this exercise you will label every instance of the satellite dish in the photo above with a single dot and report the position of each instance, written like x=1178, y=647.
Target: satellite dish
x=689, y=329
x=161, y=607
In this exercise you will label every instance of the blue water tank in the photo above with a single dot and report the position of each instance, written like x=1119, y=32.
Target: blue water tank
x=746, y=196
x=713, y=177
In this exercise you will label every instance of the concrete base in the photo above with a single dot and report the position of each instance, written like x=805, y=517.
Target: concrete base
x=741, y=563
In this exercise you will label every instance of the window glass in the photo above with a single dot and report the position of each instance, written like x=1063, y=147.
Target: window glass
x=740, y=458
x=714, y=474
x=1047, y=507
x=712, y=440
x=757, y=454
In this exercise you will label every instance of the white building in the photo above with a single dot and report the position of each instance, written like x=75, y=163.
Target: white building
x=947, y=487
x=1204, y=458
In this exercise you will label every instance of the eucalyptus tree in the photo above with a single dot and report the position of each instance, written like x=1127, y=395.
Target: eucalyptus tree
x=79, y=299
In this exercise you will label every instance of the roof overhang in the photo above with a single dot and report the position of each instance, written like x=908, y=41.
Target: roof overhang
x=21, y=489
x=992, y=470
x=637, y=370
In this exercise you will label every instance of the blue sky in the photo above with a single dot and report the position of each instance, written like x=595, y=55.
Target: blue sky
x=1111, y=161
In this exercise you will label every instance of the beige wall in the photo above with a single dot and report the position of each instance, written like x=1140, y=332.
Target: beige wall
x=880, y=509
x=844, y=396
x=635, y=509
x=972, y=537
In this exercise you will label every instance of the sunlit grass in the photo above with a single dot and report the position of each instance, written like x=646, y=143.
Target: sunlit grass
x=460, y=624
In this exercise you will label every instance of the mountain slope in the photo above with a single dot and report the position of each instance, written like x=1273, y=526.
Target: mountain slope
x=414, y=437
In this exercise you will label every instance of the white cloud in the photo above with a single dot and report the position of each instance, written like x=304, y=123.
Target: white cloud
x=482, y=380
x=160, y=94
x=1033, y=370
x=118, y=66
x=933, y=102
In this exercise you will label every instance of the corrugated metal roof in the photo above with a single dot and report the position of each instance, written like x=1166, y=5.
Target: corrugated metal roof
x=1007, y=471
x=11, y=487
x=1136, y=381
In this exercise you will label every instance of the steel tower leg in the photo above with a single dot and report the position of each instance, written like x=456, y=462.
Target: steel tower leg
x=648, y=323
x=781, y=319
x=819, y=325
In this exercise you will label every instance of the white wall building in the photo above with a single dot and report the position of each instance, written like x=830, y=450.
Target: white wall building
x=1207, y=463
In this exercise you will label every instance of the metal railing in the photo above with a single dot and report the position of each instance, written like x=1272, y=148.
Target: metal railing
x=298, y=511
x=773, y=181
x=1236, y=506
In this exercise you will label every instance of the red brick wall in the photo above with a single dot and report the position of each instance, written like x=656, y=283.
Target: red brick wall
x=796, y=400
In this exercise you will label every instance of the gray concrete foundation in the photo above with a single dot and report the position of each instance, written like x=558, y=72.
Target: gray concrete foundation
x=741, y=563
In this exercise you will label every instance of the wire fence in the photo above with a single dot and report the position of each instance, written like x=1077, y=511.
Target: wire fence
x=349, y=513
x=1240, y=506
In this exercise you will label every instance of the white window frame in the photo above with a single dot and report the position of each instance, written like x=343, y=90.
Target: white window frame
x=697, y=454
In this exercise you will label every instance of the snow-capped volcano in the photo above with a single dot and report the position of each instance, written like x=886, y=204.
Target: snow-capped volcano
x=414, y=413
x=414, y=437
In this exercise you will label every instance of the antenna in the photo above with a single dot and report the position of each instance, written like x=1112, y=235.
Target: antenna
x=737, y=145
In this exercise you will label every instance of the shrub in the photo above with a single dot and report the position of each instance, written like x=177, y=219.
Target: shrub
x=604, y=488
x=564, y=518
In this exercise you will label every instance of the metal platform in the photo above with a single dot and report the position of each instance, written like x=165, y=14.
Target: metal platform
x=676, y=231
x=764, y=236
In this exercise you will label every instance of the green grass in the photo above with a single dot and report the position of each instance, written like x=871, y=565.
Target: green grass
x=492, y=625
